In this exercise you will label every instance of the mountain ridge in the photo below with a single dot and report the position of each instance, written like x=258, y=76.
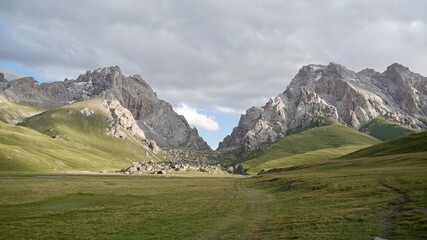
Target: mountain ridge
x=132, y=92
x=333, y=91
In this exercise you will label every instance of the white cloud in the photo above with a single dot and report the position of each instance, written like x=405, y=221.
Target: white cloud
x=223, y=109
x=209, y=53
x=196, y=119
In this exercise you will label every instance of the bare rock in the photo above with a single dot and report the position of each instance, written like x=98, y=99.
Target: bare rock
x=121, y=119
x=335, y=92
x=85, y=111
x=2, y=79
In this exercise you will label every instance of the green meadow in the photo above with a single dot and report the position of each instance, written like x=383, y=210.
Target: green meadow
x=332, y=199
x=328, y=182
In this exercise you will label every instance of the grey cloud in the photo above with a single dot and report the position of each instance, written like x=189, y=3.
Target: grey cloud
x=212, y=53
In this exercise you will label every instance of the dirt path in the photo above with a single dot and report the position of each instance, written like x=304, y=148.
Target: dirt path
x=388, y=223
x=249, y=219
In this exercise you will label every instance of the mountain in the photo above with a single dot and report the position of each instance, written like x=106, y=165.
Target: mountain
x=94, y=134
x=154, y=115
x=333, y=91
x=6, y=75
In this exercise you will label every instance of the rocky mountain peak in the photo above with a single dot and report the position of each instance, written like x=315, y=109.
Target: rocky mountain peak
x=152, y=114
x=100, y=72
x=337, y=69
x=305, y=74
x=369, y=72
x=335, y=92
x=397, y=68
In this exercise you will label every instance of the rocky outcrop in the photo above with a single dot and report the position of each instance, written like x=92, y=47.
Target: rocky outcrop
x=121, y=118
x=2, y=79
x=335, y=92
x=122, y=123
x=167, y=127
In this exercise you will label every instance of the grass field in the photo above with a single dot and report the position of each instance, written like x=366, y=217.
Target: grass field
x=336, y=199
x=317, y=144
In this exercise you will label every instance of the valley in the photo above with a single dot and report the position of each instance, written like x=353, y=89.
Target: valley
x=101, y=157
x=213, y=120
x=330, y=199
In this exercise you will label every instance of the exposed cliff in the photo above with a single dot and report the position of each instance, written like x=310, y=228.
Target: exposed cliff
x=169, y=128
x=338, y=93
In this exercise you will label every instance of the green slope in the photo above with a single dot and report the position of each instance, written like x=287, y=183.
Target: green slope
x=312, y=145
x=413, y=143
x=11, y=112
x=315, y=122
x=384, y=130
x=64, y=139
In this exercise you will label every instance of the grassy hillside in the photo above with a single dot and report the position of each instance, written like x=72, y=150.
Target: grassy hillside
x=11, y=112
x=315, y=122
x=413, y=143
x=315, y=144
x=64, y=139
x=384, y=130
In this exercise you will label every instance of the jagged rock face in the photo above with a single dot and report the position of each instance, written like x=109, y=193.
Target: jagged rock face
x=24, y=90
x=123, y=123
x=337, y=93
x=121, y=118
x=109, y=83
x=2, y=79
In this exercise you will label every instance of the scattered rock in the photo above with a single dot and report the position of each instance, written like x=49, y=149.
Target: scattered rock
x=151, y=167
x=85, y=111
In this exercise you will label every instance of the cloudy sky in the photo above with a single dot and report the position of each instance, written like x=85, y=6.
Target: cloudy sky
x=211, y=59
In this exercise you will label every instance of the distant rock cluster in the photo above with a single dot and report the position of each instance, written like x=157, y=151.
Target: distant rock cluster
x=152, y=167
x=335, y=92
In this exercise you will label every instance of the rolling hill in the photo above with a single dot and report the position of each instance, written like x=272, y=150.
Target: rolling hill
x=385, y=130
x=311, y=145
x=413, y=143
